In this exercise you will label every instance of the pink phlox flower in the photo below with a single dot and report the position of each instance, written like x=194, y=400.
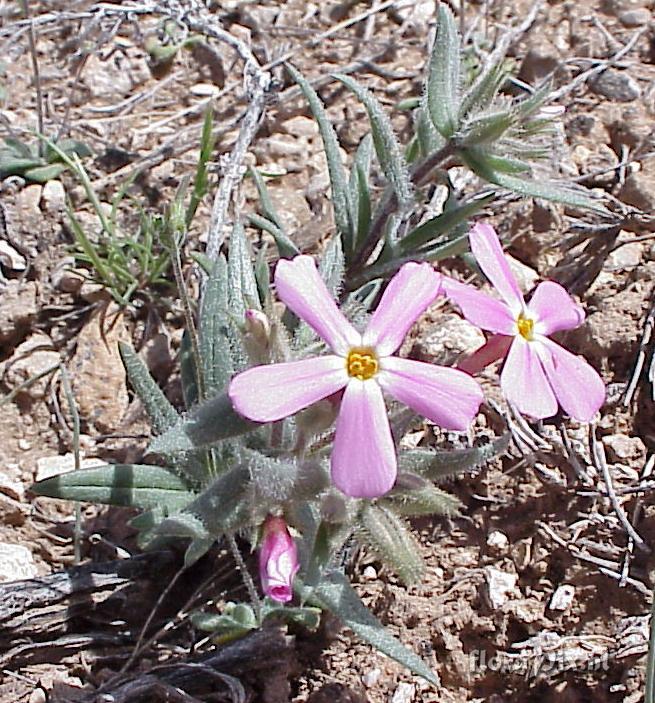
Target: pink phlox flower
x=538, y=374
x=363, y=459
x=278, y=560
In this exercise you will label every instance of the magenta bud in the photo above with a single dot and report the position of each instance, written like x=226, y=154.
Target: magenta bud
x=278, y=560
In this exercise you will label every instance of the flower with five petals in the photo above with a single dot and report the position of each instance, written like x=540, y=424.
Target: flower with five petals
x=538, y=374
x=363, y=462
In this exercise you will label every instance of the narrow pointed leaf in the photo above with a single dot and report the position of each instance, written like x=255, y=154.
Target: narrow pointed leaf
x=338, y=180
x=334, y=593
x=427, y=500
x=130, y=485
x=391, y=540
x=161, y=413
x=242, y=285
x=439, y=464
x=388, y=150
x=205, y=425
x=286, y=248
x=215, y=330
x=424, y=234
x=443, y=75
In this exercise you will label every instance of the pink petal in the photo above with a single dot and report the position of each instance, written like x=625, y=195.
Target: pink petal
x=524, y=381
x=271, y=392
x=488, y=252
x=578, y=387
x=407, y=296
x=301, y=288
x=364, y=456
x=448, y=397
x=554, y=309
x=480, y=309
x=495, y=347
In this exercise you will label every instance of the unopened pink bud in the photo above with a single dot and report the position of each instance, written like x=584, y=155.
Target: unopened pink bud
x=278, y=560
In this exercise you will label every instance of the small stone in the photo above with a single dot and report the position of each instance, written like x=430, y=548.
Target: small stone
x=497, y=541
x=500, y=586
x=639, y=191
x=93, y=292
x=28, y=211
x=37, y=696
x=18, y=309
x=301, y=126
x=10, y=488
x=65, y=279
x=204, y=90
x=447, y=338
x=616, y=85
x=623, y=448
x=404, y=693
x=562, y=598
x=24, y=445
x=371, y=677
x=49, y=466
x=626, y=256
x=16, y=563
x=635, y=18
x=10, y=258
x=527, y=277
x=36, y=355
x=53, y=197
x=369, y=574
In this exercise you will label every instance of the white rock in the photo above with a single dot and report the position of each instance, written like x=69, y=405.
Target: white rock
x=370, y=678
x=204, y=90
x=49, y=466
x=500, y=586
x=16, y=562
x=497, y=540
x=369, y=574
x=10, y=488
x=562, y=598
x=53, y=197
x=404, y=693
x=10, y=258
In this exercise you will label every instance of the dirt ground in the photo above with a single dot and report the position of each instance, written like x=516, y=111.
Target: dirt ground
x=537, y=592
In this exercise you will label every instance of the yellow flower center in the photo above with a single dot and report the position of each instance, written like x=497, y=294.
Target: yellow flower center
x=526, y=327
x=362, y=364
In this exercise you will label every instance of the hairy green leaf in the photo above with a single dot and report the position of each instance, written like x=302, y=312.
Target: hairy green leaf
x=161, y=413
x=132, y=485
x=439, y=464
x=338, y=180
x=216, y=329
x=444, y=75
x=207, y=424
x=391, y=540
x=334, y=593
x=426, y=500
x=424, y=234
x=388, y=150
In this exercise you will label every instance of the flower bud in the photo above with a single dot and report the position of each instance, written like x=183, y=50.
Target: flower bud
x=278, y=560
x=258, y=326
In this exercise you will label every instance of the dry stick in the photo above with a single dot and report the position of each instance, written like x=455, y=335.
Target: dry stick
x=245, y=575
x=72, y=408
x=35, y=69
x=599, y=455
x=647, y=334
x=586, y=75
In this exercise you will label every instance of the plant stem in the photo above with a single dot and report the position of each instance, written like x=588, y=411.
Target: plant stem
x=245, y=575
x=390, y=202
x=35, y=69
x=72, y=407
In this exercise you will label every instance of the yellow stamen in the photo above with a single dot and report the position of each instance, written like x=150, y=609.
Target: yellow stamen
x=362, y=363
x=526, y=327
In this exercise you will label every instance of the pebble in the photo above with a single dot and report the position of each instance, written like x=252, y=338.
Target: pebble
x=616, y=85
x=562, y=598
x=635, y=18
x=369, y=574
x=497, y=540
x=53, y=197
x=371, y=677
x=16, y=562
x=48, y=466
x=500, y=585
x=10, y=258
x=404, y=693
